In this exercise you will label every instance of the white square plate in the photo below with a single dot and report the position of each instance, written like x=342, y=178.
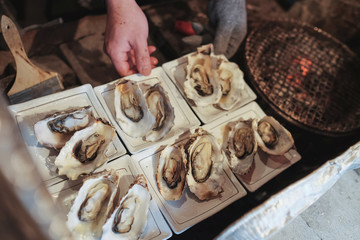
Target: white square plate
x=64, y=194
x=265, y=166
x=176, y=71
x=185, y=119
x=28, y=113
x=188, y=210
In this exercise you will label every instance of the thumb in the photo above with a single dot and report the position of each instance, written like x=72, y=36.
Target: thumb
x=142, y=57
x=120, y=62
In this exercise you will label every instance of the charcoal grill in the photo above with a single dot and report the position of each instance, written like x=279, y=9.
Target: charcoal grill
x=306, y=75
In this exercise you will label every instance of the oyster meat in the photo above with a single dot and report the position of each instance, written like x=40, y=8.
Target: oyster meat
x=132, y=112
x=232, y=84
x=205, y=175
x=272, y=137
x=85, y=150
x=55, y=130
x=93, y=205
x=129, y=219
x=241, y=145
x=160, y=106
x=171, y=172
x=201, y=82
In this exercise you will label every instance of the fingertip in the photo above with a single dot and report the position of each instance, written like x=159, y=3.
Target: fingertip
x=145, y=70
x=154, y=61
x=152, y=49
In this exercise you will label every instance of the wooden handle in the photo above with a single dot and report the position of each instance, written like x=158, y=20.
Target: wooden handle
x=27, y=74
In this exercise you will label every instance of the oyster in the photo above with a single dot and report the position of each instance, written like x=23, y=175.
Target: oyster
x=160, y=106
x=55, y=130
x=241, y=145
x=129, y=219
x=93, y=205
x=201, y=82
x=205, y=175
x=232, y=84
x=272, y=137
x=132, y=112
x=85, y=150
x=171, y=172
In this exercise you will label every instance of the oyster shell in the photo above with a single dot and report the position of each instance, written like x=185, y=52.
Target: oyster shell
x=171, y=172
x=201, y=82
x=129, y=219
x=85, y=150
x=205, y=176
x=93, y=205
x=241, y=145
x=272, y=137
x=132, y=112
x=232, y=84
x=55, y=130
x=160, y=106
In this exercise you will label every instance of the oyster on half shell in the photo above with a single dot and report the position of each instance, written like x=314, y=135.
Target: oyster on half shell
x=241, y=145
x=56, y=129
x=93, y=205
x=205, y=176
x=129, y=219
x=160, y=106
x=85, y=150
x=232, y=84
x=171, y=172
x=201, y=81
x=272, y=137
x=132, y=112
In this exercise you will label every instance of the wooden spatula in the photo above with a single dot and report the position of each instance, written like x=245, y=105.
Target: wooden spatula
x=30, y=82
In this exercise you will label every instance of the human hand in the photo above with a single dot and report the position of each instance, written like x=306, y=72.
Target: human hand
x=126, y=38
x=229, y=17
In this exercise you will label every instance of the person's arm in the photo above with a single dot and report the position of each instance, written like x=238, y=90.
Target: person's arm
x=126, y=38
x=230, y=19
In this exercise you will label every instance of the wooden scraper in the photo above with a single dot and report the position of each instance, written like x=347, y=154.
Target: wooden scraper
x=30, y=82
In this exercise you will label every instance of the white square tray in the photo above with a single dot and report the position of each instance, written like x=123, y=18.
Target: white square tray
x=188, y=210
x=28, y=113
x=176, y=71
x=185, y=119
x=64, y=194
x=265, y=166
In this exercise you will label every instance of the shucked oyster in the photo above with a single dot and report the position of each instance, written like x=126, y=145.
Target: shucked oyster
x=171, y=172
x=272, y=137
x=232, y=84
x=55, y=130
x=129, y=219
x=205, y=175
x=132, y=112
x=85, y=150
x=93, y=205
x=241, y=145
x=202, y=84
x=160, y=106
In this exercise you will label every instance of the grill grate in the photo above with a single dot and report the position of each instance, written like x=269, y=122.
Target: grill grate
x=306, y=75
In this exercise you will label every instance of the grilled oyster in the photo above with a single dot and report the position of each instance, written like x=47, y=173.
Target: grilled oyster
x=241, y=145
x=160, y=106
x=93, y=205
x=85, y=150
x=55, y=130
x=171, y=172
x=201, y=82
x=129, y=219
x=132, y=112
x=205, y=175
x=232, y=84
x=272, y=137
